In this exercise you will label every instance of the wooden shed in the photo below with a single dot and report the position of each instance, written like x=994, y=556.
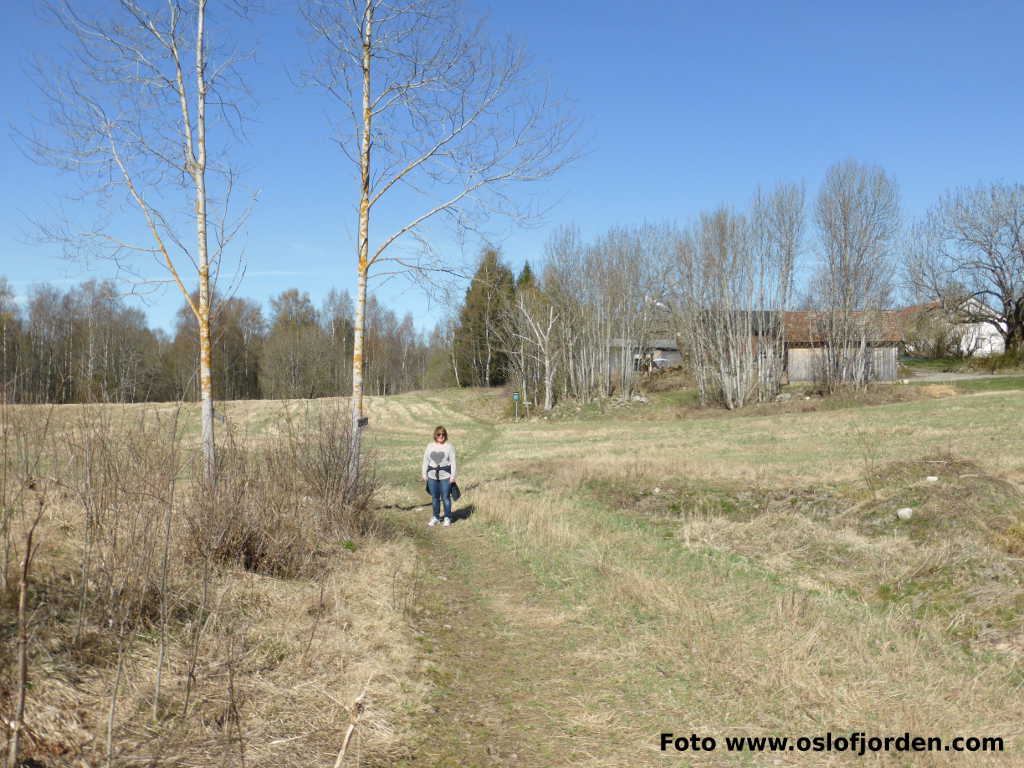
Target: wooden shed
x=805, y=343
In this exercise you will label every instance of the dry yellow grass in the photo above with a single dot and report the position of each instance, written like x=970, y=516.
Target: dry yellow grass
x=280, y=665
x=580, y=620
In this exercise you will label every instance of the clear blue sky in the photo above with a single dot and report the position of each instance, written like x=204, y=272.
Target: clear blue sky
x=686, y=105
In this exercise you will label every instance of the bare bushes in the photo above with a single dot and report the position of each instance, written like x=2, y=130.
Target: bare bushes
x=129, y=633
x=22, y=506
x=121, y=474
x=275, y=506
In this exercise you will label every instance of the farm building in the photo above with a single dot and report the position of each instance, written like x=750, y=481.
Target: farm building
x=931, y=329
x=660, y=353
x=805, y=343
x=655, y=354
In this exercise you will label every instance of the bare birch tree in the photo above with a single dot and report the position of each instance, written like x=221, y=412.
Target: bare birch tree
x=129, y=115
x=435, y=115
x=857, y=215
x=735, y=280
x=778, y=219
x=629, y=267
x=717, y=280
x=566, y=284
x=526, y=329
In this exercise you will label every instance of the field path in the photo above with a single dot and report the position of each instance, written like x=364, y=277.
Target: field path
x=493, y=647
x=496, y=654
x=513, y=666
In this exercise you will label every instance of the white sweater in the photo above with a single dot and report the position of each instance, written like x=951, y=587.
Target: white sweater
x=438, y=455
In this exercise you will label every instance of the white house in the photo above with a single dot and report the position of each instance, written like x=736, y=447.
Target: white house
x=980, y=339
x=971, y=339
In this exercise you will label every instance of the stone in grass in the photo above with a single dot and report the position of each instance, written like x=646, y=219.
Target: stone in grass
x=904, y=513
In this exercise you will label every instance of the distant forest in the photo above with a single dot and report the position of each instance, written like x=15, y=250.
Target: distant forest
x=86, y=345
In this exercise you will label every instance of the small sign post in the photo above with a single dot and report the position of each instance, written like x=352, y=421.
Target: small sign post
x=515, y=399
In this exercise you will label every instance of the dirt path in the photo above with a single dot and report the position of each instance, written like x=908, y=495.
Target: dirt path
x=513, y=665
x=494, y=651
x=492, y=646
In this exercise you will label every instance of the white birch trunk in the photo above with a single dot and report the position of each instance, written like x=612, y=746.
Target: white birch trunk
x=199, y=176
x=364, y=249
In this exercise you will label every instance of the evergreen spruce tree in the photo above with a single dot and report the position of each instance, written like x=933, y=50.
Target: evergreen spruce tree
x=526, y=278
x=478, y=355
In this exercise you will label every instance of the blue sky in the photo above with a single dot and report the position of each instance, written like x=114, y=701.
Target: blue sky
x=686, y=106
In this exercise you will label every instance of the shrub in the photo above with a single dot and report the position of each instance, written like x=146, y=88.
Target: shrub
x=273, y=506
x=1006, y=362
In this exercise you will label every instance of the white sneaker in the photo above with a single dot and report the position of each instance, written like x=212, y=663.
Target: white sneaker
x=447, y=522
x=433, y=521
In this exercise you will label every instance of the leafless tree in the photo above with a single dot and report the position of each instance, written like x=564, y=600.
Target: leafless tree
x=968, y=254
x=129, y=114
x=582, y=334
x=526, y=329
x=718, y=290
x=857, y=214
x=735, y=280
x=608, y=298
x=631, y=265
x=778, y=219
x=932, y=332
x=437, y=116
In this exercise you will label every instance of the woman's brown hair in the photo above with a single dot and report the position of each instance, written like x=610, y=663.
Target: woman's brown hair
x=440, y=430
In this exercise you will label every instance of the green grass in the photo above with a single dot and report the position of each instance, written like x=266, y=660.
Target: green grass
x=680, y=398
x=989, y=385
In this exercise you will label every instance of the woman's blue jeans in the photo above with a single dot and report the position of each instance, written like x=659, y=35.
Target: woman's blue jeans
x=440, y=490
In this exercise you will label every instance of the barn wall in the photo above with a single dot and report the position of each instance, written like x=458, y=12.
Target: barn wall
x=884, y=363
x=802, y=362
x=672, y=357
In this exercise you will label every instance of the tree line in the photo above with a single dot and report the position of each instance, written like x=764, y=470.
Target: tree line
x=721, y=290
x=576, y=325
x=85, y=344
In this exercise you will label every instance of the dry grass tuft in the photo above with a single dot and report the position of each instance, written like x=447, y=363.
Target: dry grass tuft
x=936, y=391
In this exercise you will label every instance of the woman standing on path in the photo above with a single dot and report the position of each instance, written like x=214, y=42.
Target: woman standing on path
x=439, y=472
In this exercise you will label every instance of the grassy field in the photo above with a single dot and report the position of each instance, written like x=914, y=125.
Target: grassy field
x=616, y=573
x=619, y=577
